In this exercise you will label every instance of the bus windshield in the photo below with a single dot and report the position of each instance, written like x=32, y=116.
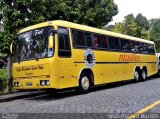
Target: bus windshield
x=34, y=44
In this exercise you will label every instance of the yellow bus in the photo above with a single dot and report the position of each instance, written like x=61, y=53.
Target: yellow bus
x=60, y=54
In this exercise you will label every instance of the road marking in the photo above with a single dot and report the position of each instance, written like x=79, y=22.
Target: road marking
x=145, y=109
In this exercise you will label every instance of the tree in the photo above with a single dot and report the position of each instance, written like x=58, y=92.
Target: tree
x=137, y=27
x=155, y=32
x=109, y=27
x=17, y=14
x=119, y=28
x=95, y=13
x=130, y=25
x=142, y=27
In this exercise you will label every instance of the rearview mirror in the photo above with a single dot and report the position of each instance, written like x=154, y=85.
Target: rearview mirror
x=50, y=42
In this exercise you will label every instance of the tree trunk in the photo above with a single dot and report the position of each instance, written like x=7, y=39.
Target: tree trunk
x=9, y=74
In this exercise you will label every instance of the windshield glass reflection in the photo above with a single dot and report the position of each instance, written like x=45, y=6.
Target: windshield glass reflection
x=34, y=44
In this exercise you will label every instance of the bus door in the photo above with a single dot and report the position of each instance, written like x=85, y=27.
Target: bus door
x=65, y=60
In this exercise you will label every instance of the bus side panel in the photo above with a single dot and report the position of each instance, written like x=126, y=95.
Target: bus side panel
x=106, y=68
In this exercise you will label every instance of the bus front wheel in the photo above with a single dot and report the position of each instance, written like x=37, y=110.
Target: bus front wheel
x=158, y=74
x=84, y=83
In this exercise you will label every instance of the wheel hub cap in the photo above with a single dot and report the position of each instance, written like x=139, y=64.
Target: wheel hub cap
x=136, y=76
x=143, y=75
x=85, y=83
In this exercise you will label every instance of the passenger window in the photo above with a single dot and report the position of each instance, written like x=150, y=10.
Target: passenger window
x=82, y=39
x=88, y=39
x=104, y=41
x=114, y=43
x=97, y=41
x=78, y=38
x=134, y=46
x=143, y=48
x=125, y=45
x=63, y=43
x=151, y=49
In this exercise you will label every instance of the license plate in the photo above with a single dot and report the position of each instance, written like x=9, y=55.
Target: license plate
x=29, y=84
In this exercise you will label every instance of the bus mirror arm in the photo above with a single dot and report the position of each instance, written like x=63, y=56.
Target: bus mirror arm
x=11, y=47
x=50, y=42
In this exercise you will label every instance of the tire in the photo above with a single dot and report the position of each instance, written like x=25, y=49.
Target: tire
x=143, y=75
x=52, y=92
x=84, y=84
x=158, y=74
x=136, y=76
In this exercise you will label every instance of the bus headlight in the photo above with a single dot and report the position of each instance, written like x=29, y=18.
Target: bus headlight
x=44, y=82
x=16, y=84
x=47, y=82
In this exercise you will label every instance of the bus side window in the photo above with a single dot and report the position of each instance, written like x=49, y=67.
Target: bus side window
x=113, y=43
x=97, y=41
x=64, y=49
x=125, y=45
x=143, y=48
x=134, y=46
x=78, y=38
x=88, y=39
x=104, y=41
x=151, y=49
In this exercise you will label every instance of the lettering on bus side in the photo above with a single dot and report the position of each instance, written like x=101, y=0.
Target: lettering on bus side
x=30, y=68
x=129, y=58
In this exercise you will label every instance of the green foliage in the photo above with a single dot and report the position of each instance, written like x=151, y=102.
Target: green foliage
x=89, y=12
x=155, y=29
x=155, y=32
x=134, y=26
x=3, y=80
x=130, y=25
x=142, y=27
x=17, y=14
x=119, y=28
x=109, y=27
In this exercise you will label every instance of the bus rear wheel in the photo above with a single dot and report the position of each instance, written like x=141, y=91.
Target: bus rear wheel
x=136, y=76
x=84, y=84
x=143, y=75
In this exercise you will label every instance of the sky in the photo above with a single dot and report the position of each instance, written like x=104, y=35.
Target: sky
x=148, y=8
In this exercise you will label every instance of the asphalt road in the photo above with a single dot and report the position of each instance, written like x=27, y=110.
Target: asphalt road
x=103, y=101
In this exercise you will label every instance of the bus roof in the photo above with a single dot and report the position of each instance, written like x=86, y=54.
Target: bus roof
x=83, y=27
